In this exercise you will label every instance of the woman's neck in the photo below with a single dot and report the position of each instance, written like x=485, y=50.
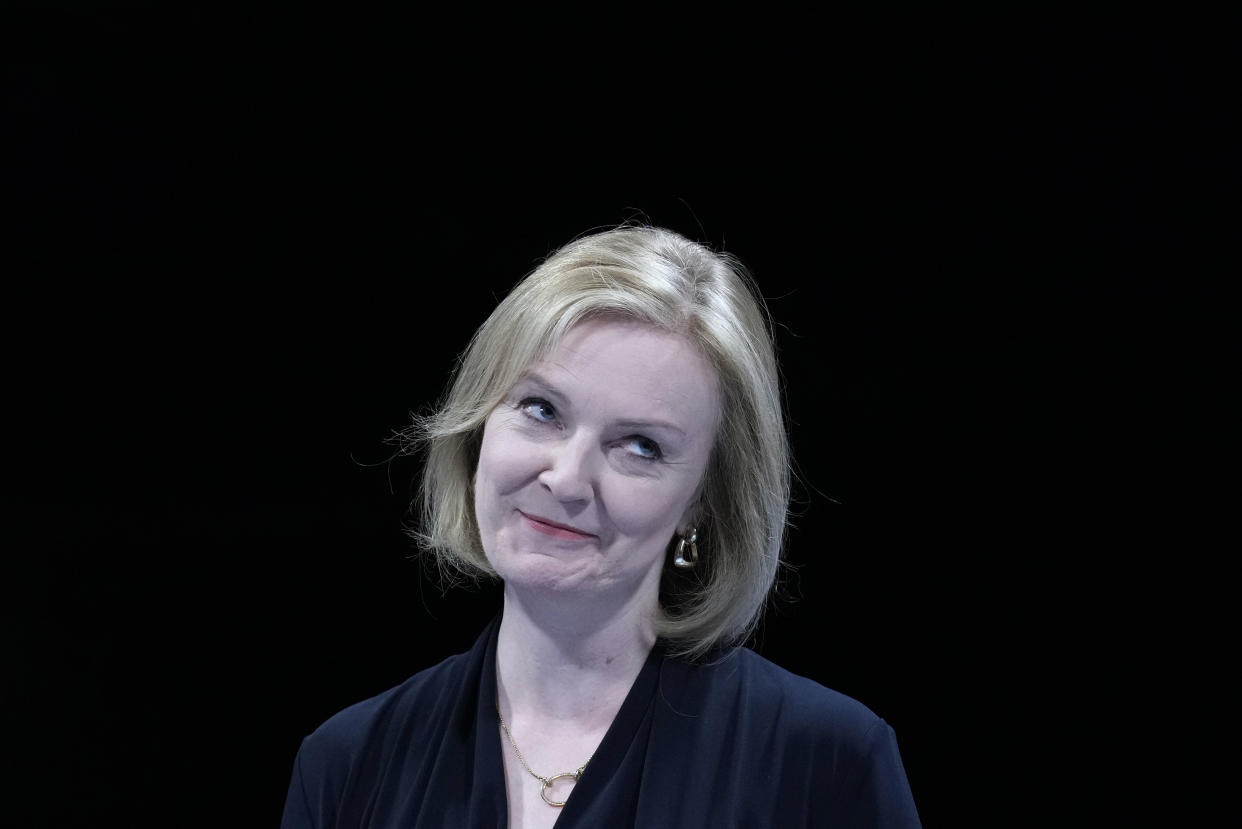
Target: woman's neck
x=569, y=664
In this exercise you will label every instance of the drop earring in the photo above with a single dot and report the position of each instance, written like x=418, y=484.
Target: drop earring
x=680, y=559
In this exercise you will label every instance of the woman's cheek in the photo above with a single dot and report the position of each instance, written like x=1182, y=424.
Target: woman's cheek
x=637, y=508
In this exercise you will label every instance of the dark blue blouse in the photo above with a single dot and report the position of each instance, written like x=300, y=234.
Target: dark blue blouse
x=737, y=742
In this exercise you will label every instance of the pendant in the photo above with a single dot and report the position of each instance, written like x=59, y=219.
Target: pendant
x=547, y=786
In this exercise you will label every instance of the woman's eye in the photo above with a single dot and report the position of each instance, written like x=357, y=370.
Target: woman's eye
x=644, y=448
x=539, y=409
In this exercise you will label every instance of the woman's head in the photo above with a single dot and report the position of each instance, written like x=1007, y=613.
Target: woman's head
x=655, y=281
x=591, y=463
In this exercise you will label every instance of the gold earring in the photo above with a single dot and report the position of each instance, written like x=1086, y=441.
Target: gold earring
x=679, y=557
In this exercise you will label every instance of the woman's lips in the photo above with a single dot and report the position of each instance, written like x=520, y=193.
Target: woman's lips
x=552, y=528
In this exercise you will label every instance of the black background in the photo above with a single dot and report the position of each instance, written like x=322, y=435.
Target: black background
x=242, y=247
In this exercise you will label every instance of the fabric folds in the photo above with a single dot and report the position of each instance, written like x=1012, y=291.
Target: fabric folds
x=734, y=742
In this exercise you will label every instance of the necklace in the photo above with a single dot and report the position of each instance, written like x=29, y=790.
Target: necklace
x=546, y=781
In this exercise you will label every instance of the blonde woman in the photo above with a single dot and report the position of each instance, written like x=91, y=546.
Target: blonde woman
x=612, y=448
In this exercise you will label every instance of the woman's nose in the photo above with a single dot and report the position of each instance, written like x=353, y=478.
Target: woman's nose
x=568, y=471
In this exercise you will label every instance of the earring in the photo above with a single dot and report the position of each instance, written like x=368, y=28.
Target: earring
x=679, y=557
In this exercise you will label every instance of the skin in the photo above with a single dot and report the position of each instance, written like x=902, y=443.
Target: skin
x=586, y=471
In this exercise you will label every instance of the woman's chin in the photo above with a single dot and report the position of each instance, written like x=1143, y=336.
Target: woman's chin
x=551, y=576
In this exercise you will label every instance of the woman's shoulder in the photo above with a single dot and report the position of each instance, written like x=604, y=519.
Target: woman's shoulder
x=421, y=701
x=766, y=692
x=795, y=689
x=348, y=727
x=816, y=749
x=397, y=734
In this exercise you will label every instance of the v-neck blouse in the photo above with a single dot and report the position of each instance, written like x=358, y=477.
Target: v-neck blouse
x=734, y=742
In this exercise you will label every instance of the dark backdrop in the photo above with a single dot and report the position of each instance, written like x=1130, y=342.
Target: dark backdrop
x=242, y=247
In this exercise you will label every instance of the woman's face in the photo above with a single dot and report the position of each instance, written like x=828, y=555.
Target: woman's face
x=594, y=458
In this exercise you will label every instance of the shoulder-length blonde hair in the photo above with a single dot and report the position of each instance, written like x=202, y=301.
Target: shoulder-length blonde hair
x=657, y=277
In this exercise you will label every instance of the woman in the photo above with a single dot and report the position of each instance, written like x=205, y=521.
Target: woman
x=612, y=448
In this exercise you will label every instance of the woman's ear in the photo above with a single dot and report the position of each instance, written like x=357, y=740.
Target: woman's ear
x=690, y=518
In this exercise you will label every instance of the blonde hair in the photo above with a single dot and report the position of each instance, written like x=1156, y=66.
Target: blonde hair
x=658, y=277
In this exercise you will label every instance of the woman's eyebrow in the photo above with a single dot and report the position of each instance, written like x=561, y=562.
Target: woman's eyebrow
x=545, y=385
x=652, y=424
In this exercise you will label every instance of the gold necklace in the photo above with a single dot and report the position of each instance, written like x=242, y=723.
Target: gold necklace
x=546, y=781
